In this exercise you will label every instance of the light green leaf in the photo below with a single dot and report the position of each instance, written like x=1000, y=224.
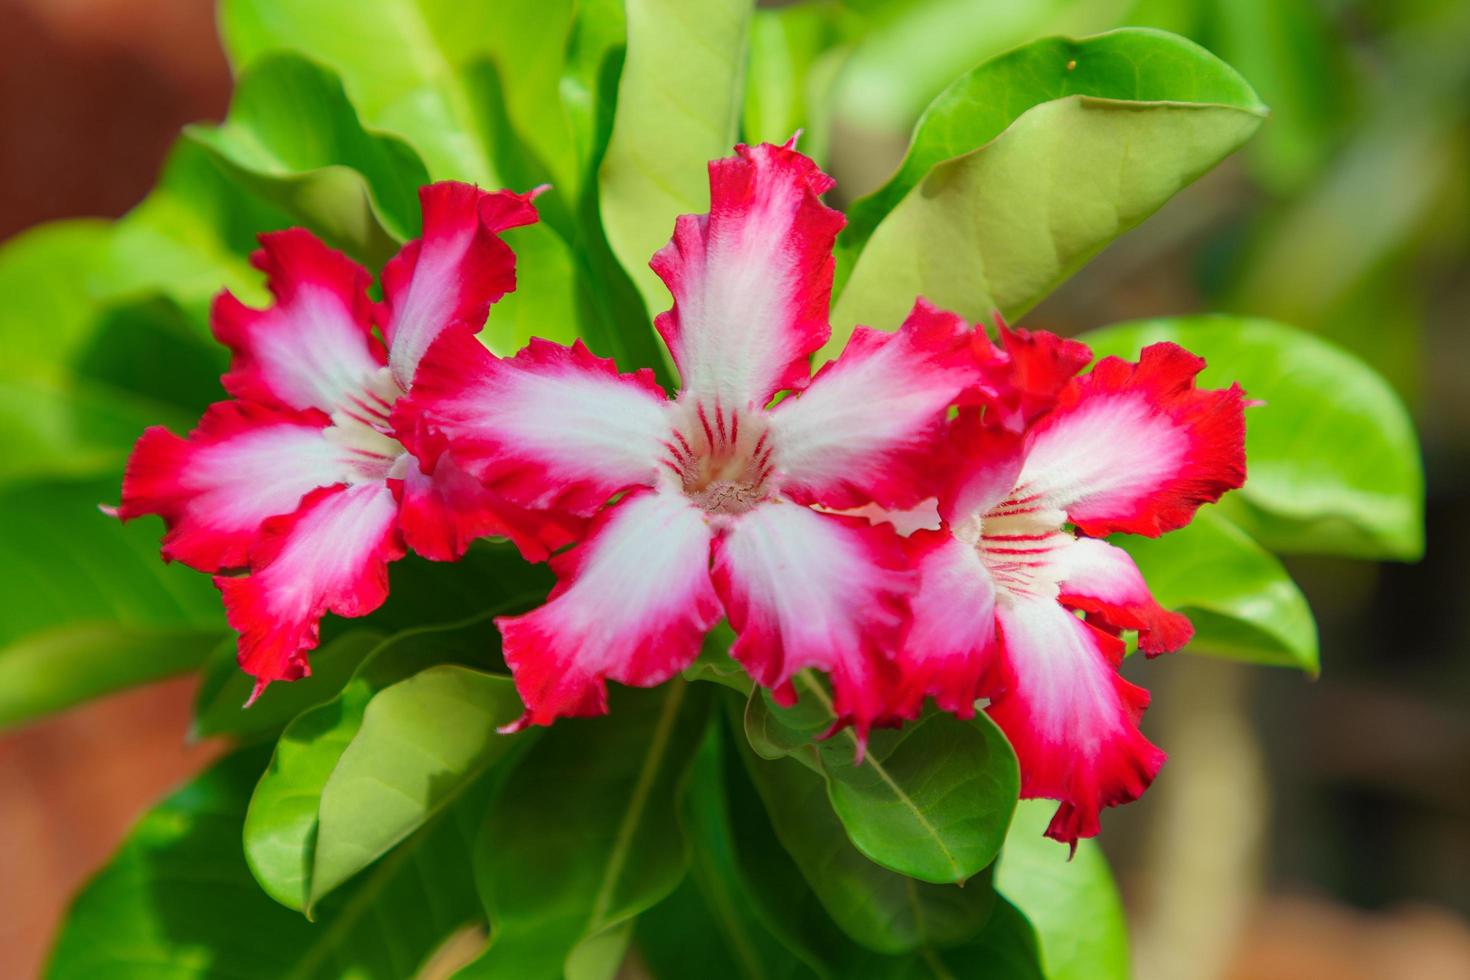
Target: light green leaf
x=224, y=687
x=1332, y=458
x=282, y=824
x=877, y=908
x=292, y=137
x=790, y=48
x=931, y=800
x=421, y=743
x=584, y=832
x=999, y=226
x=678, y=108
x=1242, y=603
x=177, y=901
x=1073, y=904
x=90, y=607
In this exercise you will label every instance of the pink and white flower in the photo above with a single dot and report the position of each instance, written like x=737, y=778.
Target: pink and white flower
x=707, y=505
x=299, y=492
x=1049, y=465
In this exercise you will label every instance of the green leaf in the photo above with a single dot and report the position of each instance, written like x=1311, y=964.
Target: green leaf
x=789, y=49
x=931, y=800
x=584, y=832
x=710, y=926
x=90, y=607
x=421, y=743
x=678, y=108
x=881, y=910
x=282, y=824
x=191, y=237
x=83, y=379
x=1242, y=603
x=224, y=687
x=294, y=138
x=177, y=901
x=1332, y=457
x=1073, y=904
x=1029, y=194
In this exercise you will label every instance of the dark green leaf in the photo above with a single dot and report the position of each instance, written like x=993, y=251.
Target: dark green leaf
x=884, y=911
x=224, y=687
x=1332, y=456
x=177, y=901
x=931, y=800
x=584, y=833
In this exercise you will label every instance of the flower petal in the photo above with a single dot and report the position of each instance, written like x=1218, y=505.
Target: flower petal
x=633, y=604
x=1137, y=447
x=332, y=555
x=1102, y=581
x=1071, y=718
x=1032, y=371
x=443, y=513
x=313, y=348
x=806, y=589
x=949, y=648
x=752, y=279
x=244, y=463
x=552, y=427
x=450, y=275
x=868, y=426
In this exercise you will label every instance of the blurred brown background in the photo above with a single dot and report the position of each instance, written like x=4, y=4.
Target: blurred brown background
x=1301, y=831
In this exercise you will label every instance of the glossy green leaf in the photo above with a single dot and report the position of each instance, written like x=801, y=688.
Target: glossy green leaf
x=90, y=607
x=584, y=832
x=1332, y=457
x=294, y=138
x=931, y=800
x=881, y=910
x=1124, y=66
x=678, y=108
x=224, y=688
x=177, y=901
x=1000, y=225
x=422, y=742
x=1242, y=603
x=281, y=827
x=1072, y=904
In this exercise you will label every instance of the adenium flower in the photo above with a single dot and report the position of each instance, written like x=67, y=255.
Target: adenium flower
x=1052, y=462
x=706, y=505
x=299, y=492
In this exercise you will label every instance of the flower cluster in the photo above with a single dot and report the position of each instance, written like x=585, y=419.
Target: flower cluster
x=759, y=493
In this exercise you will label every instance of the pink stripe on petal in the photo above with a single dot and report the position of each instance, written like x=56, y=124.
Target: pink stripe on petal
x=242, y=464
x=313, y=348
x=1102, y=581
x=752, y=279
x=633, y=605
x=871, y=421
x=552, y=427
x=1071, y=718
x=806, y=589
x=950, y=648
x=332, y=555
x=450, y=275
x=1137, y=447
